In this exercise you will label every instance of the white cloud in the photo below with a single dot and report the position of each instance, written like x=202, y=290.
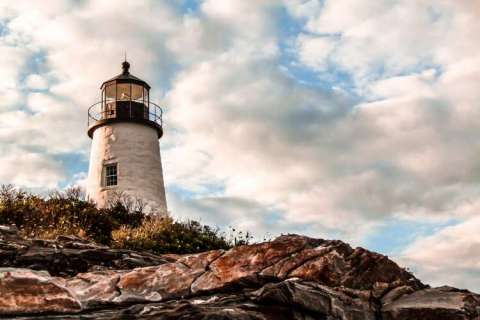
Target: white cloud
x=412, y=85
x=306, y=153
x=79, y=180
x=36, y=82
x=197, y=37
x=303, y=8
x=448, y=256
x=9, y=98
x=29, y=169
x=238, y=14
x=382, y=38
x=53, y=127
x=12, y=60
x=274, y=157
x=314, y=51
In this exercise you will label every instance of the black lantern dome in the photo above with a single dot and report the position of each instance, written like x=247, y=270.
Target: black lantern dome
x=125, y=98
x=126, y=77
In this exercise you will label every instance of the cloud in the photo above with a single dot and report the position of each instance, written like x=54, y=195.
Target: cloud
x=12, y=60
x=369, y=47
x=314, y=51
x=415, y=84
x=36, y=82
x=29, y=169
x=232, y=213
x=50, y=125
x=279, y=158
x=448, y=256
x=10, y=97
x=320, y=155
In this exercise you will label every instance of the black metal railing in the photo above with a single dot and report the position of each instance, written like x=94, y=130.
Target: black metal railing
x=125, y=110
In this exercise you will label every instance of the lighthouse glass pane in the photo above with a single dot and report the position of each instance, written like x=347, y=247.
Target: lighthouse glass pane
x=110, y=92
x=137, y=93
x=123, y=92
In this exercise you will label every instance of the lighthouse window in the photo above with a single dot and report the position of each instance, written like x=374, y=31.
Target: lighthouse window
x=111, y=174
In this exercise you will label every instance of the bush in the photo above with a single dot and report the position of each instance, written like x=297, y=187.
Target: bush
x=167, y=236
x=121, y=226
x=60, y=213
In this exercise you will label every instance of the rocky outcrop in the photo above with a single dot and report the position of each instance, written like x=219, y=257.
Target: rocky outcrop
x=67, y=255
x=292, y=277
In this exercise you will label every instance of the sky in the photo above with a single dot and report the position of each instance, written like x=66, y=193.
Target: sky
x=346, y=119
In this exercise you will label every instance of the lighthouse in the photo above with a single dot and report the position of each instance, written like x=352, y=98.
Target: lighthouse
x=125, y=128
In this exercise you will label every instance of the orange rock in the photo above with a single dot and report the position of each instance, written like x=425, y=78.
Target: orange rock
x=28, y=291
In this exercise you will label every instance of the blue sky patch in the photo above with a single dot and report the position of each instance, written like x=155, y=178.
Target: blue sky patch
x=396, y=235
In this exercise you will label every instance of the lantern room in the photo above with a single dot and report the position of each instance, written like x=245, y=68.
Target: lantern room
x=125, y=98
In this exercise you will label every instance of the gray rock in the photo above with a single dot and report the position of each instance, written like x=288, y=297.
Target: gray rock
x=318, y=299
x=68, y=255
x=443, y=303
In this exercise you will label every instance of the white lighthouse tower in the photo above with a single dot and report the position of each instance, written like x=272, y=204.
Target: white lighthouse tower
x=125, y=127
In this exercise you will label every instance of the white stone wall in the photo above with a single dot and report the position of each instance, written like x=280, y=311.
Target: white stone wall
x=135, y=149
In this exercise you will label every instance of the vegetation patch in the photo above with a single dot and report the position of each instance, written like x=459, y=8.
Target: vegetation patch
x=119, y=226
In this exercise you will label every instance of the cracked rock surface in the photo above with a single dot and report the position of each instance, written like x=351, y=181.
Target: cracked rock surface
x=68, y=256
x=292, y=277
